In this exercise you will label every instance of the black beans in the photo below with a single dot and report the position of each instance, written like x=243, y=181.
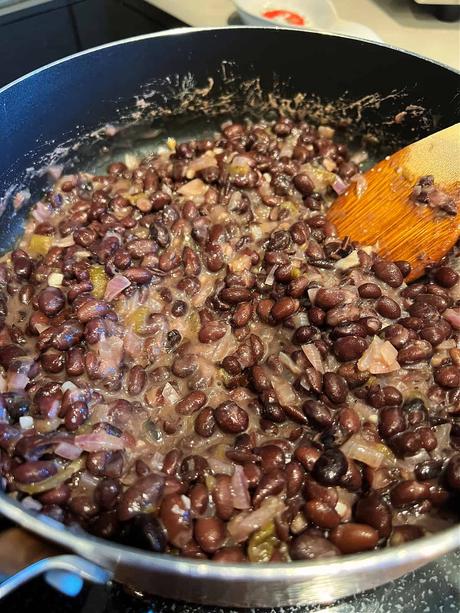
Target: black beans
x=425, y=471
x=446, y=276
x=92, y=308
x=414, y=352
x=212, y=331
x=375, y=512
x=234, y=295
x=309, y=547
x=145, y=493
x=352, y=538
x=330, y=467
x=31, y=472
x=408, y=492
x=369, y=290
x=191, y=403
x=317, y=413
x=387, y=307
x=388, y=272
x=453, y=472
x=231, y=418
x=329, y=298
x=391, y=421
x=210, y=533
x=321, y=514
x=205, y=423
x=270, y=484
x=51, y=300
x=349, y=348
x=175, y=516
x=135, y=381
x=448, y=376
x=335, y=387
x=304, y=184
x=284, y=308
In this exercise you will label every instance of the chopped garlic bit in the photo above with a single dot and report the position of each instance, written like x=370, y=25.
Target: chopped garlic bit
x=55, y=279
x=350, y=261
x=26, y=422
x=68, y=385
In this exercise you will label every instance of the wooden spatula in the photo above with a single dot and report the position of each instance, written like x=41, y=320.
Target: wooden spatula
x=386, y=216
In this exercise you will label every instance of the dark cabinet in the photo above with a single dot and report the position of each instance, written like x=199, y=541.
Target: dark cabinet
x=32, y=37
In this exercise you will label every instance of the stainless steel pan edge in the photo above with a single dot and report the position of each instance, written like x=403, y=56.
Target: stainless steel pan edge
x=264, y=585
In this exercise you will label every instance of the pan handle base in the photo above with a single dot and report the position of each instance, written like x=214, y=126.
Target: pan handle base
x=65, y=573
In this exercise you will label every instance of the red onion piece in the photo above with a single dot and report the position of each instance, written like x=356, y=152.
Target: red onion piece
x=453, y=317
x=68, y=451
x=244, y=524
x=41, y=212
x=379, y=358
x=313, y=356
x=99, y=441
x=241, y=499
x=358, y=448
x=16, y=381
x=115, y=286
x=339, y=186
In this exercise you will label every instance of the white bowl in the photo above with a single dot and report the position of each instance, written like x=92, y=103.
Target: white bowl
x=317, y=14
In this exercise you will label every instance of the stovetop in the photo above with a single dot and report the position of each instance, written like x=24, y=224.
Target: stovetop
x=435, y=588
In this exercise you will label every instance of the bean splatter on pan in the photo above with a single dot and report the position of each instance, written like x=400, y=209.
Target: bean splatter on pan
x=192, y=361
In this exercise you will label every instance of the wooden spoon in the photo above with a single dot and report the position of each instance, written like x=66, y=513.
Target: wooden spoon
x=387, y=217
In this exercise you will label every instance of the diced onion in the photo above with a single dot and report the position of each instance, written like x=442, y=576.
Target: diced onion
x=358, y=448
x=131, y=161
x=350, y=261
x=99, y=441
x=313, y=355
x=379, y=358
x=55, y=279
x=26, y=422
x=289, y=363
x=68, y=451
x=240, y=497
x=339, y=186
x=115, y=286
x=41, y=212
x=195, y=187
x=219, y=467
x=271, y=275
x=67, y=241
x=170, y=394
x=244, y=524
x=453, y=317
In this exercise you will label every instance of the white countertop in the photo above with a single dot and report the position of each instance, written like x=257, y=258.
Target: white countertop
x=402, y=23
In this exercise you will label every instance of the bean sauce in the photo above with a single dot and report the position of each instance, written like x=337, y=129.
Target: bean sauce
x=193, y=362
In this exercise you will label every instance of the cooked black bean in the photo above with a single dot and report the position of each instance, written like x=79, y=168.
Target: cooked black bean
x=309, y=547
x=335, y=387
x=330, y=467
x=352, y=538
x=231, y=417
x=388, y=272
